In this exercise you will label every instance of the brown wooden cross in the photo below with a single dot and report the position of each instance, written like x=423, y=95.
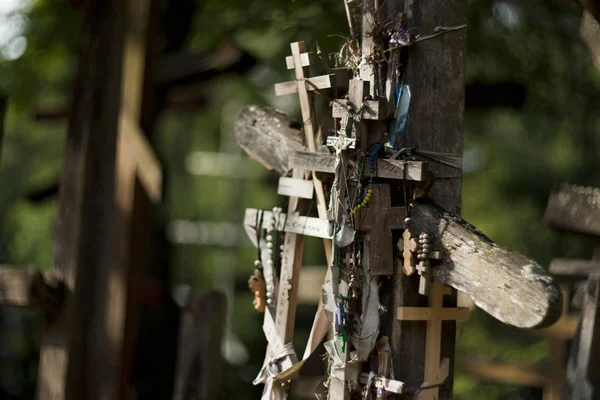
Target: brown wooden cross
x=377, y=220
x=436, y=368
x=577, y=209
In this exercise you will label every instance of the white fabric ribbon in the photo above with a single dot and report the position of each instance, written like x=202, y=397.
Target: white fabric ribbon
x=269, y=372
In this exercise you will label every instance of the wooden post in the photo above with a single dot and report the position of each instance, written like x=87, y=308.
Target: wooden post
x=81, y=355
x=198, y=371
x=3, y=107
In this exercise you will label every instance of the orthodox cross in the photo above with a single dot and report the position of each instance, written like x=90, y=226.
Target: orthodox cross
x=377, y=220
x=292, y=248
x=577, y=209
x=298, y=61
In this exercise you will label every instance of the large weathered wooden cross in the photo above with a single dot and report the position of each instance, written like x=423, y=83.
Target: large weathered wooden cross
x=507, y=285
x=500, y=273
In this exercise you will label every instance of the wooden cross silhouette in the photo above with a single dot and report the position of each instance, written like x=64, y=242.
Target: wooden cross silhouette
x=378, y=219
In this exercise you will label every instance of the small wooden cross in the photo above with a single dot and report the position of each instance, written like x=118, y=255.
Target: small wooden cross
x=436, y=369
x=378, y=219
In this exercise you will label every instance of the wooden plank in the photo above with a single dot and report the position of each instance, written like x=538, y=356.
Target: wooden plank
x=391, y=169
x=295, y=188
x=95, y=208
x=315, y=83
x=269, y=137
x=507, y=373
x=16, y=284
x=427, y=314
x=511, y=287
x=305, y=59
x=148, y=167
x=3, y=108
x=372, y=109
x=575, y=209
x=309, y=226
x=198, y=372
x=570, y=266
x=273, y=139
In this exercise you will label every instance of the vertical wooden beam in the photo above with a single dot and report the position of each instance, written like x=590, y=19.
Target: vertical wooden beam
x=435, y=73
x=142, y=228
x=81, y=355
x=199, y=361
x=3, y=107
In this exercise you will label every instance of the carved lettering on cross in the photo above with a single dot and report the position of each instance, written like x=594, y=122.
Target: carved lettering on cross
x=378, y=219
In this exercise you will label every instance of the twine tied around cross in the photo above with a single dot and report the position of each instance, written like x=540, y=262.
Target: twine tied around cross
x=269, y=371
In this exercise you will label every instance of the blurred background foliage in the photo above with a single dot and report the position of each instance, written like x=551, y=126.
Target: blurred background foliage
x=532, y=121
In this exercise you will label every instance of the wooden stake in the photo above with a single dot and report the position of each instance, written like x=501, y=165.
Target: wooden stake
x=3, y=107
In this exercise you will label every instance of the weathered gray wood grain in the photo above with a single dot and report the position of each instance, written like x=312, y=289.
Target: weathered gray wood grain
x=269, y=137
x=199, y=362
x=509, y=286
x=575, y=209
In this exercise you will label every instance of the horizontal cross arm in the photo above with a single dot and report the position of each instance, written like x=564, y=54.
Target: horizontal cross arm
x=570, y=266
x=293, y=187
x=430, y=314
x=28, y=287
x=307, y=226
x=509, y=286
x=305, y=59
x=391, y=169
x=371, y=109
x=505, y=372
x=312, y=84
x=575, y=209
